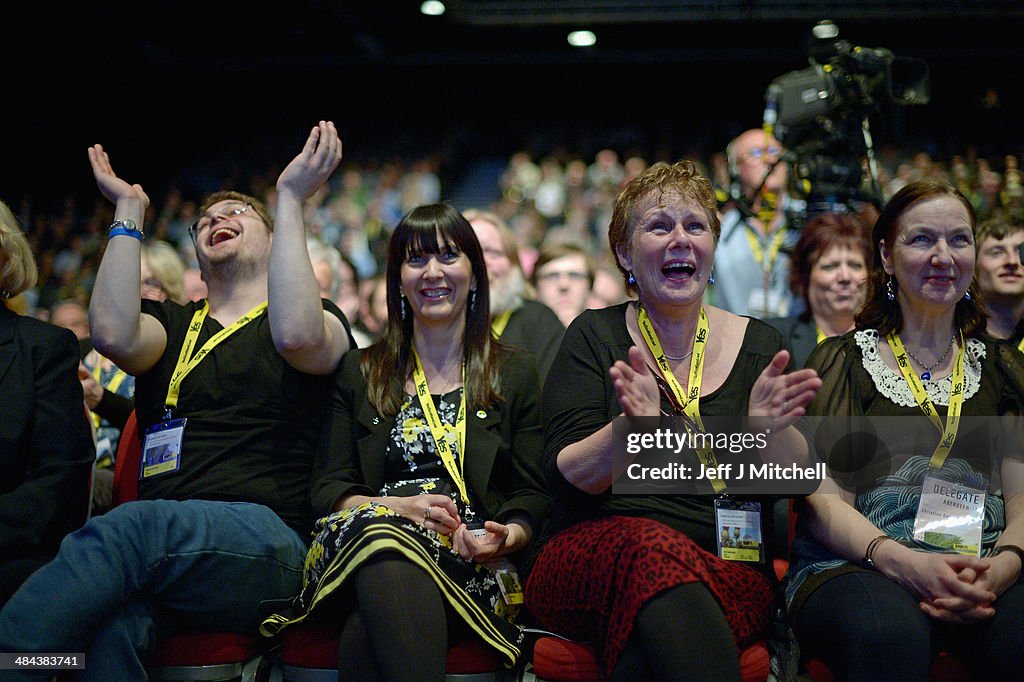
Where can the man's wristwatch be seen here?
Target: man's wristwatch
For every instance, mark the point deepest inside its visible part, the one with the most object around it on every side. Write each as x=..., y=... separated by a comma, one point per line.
x=127, y=228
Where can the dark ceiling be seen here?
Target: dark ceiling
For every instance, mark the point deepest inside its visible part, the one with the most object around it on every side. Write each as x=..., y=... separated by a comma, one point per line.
x=166, y=84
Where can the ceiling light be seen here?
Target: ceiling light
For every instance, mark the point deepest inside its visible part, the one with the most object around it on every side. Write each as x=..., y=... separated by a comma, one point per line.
x=432, y=8
x=582, y=38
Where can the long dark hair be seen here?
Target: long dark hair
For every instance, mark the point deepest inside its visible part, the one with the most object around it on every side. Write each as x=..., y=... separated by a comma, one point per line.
x=884, y=315
x=387, y=364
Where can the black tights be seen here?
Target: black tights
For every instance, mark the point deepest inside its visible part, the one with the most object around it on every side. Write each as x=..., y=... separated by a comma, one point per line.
x=864, y=626
x=399, y=631
x=681, y=634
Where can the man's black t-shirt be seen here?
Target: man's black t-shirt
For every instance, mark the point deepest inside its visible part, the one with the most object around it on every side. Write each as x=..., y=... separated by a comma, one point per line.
x=253, y=420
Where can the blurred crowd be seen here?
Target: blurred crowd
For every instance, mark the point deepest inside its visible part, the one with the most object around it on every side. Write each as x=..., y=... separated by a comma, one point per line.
x=545, y=198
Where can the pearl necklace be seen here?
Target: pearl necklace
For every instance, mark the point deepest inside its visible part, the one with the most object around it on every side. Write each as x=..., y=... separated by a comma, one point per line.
x=927, y=373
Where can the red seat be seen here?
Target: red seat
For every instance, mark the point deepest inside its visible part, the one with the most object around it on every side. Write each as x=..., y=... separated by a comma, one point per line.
x=194, y=655
x=561, y=660
x=945, y=668
x=309, y=651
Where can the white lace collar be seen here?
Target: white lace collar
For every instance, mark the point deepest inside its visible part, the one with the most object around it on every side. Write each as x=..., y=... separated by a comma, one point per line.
x=893, y=386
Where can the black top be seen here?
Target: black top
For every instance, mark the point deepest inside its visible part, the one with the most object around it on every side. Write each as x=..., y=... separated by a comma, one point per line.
x=503, y=444
x=253, y=420
x=46, y=449
x=579, y=399
x=535, y=327
x=878, y=435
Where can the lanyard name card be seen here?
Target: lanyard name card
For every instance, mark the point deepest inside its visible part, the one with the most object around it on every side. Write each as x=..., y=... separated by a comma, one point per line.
x=690, y=403
x=186, y=363
x=956, y=397
x=443, y=433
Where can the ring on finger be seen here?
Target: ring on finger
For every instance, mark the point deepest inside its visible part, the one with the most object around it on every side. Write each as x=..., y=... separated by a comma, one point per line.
x=785, y=406
x=426, y=515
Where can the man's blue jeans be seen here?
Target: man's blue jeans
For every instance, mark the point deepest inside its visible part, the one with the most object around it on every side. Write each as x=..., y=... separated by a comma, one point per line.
x=146, y=568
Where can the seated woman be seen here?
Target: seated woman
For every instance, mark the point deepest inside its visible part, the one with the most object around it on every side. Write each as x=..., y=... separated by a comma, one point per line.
x=46, y=449
x=435, y=437
x=882, y=575
x=642, y=576
x=829, y=271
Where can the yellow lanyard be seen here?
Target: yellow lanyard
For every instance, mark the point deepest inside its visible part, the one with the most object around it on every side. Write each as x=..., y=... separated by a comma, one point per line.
x=499, y=323
x=443, y=433
x=821, y=334
x=1020, y=346
x=774, y=245
x=186, y=365
x=689, y=404
x=112, y=385
x=956, y=397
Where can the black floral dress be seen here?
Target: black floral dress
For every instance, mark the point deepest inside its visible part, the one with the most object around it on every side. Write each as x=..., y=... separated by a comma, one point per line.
x=346, y=539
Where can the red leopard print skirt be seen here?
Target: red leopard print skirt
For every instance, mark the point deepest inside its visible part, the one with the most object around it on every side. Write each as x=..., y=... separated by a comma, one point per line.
x=592, y=579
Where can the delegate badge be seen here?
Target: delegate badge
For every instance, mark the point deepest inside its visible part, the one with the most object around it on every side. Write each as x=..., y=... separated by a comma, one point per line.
x=161, y=451
x=951, y=514
x=740, y=536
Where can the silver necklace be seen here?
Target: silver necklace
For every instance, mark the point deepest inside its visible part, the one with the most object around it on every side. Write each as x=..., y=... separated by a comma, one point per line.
x=677, y=359
x=927, y=373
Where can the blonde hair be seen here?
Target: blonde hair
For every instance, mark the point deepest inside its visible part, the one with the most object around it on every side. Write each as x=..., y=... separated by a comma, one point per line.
x=167, y=266
x=17, y=265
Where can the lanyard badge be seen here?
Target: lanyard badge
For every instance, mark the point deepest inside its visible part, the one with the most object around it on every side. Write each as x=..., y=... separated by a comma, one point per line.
x=740, y=531
x=161, y=450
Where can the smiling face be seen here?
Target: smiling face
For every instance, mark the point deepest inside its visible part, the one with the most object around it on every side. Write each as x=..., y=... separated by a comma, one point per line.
x=231, y=236
x=436, y=286
x=1000, y=274
x=836, y=287
x=932, y=254
x=670, y=249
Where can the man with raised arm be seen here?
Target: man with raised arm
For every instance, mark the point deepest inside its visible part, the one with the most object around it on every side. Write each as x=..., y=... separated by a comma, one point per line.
x=229, y=393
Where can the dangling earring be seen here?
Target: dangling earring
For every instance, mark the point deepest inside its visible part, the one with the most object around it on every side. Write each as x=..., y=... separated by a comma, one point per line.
x=967, y=295
x=889, y=294
x=711, y=277
x=401, y=305
x=630, y=280
x=472, y=299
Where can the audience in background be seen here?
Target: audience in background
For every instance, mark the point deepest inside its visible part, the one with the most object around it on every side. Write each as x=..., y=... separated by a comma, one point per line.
x=194, y=286
x=829, y=274
x=564, y=277
x=1001, y=276
x=752, y=258
x=607, y=290
x=516, y=318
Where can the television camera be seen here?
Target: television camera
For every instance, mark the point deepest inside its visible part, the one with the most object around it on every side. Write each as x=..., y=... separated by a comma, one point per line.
x=822, y=116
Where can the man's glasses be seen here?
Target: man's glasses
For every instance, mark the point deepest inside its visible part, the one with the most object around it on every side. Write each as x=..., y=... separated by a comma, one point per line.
x=229, y=211
x=761, y=152
x=555, y=276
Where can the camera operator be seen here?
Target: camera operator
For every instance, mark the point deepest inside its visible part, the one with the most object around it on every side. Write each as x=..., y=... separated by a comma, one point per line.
x=752, y=260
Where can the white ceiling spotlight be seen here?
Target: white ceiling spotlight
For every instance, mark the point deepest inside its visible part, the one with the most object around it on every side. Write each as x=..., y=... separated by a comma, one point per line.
x=582, y=38
x=432, y=8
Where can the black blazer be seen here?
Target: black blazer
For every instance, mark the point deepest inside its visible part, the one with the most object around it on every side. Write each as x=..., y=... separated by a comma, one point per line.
x=46, y=447
x=801, y=336
x=503, y=451
x=536, y=328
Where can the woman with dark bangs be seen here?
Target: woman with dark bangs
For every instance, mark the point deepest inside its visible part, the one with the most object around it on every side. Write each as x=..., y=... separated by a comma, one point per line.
x=435, y=437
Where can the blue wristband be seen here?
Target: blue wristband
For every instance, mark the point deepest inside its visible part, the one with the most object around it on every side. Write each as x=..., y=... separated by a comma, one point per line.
x=116, y=231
